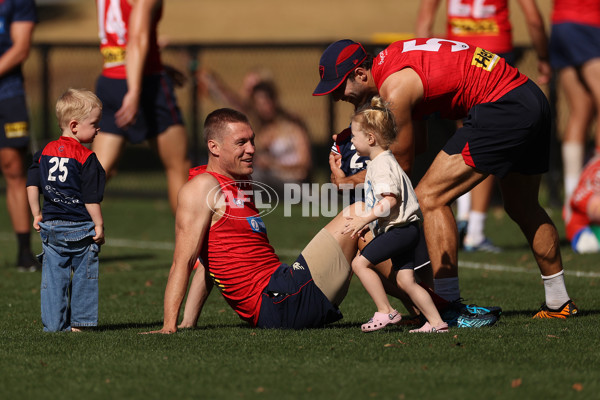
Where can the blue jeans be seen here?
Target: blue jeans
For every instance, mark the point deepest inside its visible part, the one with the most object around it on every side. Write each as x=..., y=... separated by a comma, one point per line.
x=69, y=272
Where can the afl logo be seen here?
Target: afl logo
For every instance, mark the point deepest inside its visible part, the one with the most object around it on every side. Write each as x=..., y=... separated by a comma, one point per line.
x=235, y=195
x=321, y=71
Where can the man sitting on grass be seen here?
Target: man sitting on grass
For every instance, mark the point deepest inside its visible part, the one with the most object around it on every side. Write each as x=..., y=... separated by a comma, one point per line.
x=231, y=239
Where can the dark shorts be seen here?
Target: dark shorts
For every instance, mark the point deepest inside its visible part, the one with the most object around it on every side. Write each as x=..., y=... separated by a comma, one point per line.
x=511, y=134
x=158, y=107
x=404, y=245
x=291, y=300
x=572, y=45
x=14, y=123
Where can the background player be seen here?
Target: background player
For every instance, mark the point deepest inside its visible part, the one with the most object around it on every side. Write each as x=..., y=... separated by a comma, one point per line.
x=575, y=54
x=137, y=93
x=17, y=21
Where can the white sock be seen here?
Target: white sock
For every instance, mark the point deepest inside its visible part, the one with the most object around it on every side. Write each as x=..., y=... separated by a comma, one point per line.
x=572, y=157
x=475, y=227
x=556, y=291
x=463, y=206
x=447, y=288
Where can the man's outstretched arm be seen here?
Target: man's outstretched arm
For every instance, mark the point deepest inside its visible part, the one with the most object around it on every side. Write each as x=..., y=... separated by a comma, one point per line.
x=192, y=221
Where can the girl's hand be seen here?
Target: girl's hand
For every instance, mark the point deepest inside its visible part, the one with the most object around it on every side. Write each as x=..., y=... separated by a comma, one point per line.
x=355, y=225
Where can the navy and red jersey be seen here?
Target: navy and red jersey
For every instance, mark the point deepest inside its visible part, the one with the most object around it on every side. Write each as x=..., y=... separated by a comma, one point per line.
x=69, y=176
x=456, y=76
x=237, y=251
x=585, y=12
x=113, y=25
x=11, y=11
x=351, y=161
x=485, y=23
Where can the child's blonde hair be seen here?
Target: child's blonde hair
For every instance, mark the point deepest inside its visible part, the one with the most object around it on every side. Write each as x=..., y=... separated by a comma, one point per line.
x=377, y=118
x=75, y=104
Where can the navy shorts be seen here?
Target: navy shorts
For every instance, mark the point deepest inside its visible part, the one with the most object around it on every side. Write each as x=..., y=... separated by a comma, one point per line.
x=14, y=123
x=511, y=134
x=404, y=245
x=158, y=107
x=572, y=45
x=291, y=300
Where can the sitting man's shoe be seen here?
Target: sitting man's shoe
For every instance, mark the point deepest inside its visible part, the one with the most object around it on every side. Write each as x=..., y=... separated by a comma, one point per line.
x=569, y=309
x=477, y=310
x=476, y=321
x=457, y=308
x=485, y=245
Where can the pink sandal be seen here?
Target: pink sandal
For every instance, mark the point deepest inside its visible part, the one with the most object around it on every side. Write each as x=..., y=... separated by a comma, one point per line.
x=381, y=320
x=427, y=328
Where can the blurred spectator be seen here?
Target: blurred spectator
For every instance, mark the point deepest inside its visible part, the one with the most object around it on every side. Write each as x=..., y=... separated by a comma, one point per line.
x=283, y=148
x=17, y=21
x=575, y=54
x=211, y=85
x=582, y=214
x=488, y=26
x=283, y=153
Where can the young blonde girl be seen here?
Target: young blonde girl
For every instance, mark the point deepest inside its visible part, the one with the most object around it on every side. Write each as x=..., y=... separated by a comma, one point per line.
x=393, y=215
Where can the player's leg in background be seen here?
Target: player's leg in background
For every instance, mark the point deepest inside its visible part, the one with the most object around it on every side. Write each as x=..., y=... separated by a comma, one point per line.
x=108, y=149
x=581, y=111
x=591, y=75
x=12, y=166
x=172, y=148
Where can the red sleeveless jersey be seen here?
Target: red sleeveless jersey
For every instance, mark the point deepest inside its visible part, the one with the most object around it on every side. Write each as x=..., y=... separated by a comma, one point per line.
x=586, y=12
x=576, y=217
x=484, y=23
x=113, y=24
x=455, y=76
x=236, y=251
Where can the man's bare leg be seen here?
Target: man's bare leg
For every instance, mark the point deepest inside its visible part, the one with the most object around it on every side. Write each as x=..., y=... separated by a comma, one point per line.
x=447, y=178
x=172, y=148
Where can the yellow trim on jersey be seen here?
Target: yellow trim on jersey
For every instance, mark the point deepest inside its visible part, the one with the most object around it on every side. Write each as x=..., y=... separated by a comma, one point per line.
x=460, y=26
x=15, y=130
x=113, y=56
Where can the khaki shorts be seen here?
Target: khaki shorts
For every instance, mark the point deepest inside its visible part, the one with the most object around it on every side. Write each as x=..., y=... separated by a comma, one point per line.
x=328, y=266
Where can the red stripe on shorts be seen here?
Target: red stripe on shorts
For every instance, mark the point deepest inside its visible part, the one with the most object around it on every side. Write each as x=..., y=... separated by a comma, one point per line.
x=466, y=154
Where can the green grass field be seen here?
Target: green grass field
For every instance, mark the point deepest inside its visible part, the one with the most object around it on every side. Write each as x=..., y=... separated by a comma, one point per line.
x=225, y=359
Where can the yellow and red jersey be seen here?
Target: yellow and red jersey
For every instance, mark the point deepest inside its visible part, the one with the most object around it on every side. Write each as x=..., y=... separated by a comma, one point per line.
x=113, y=23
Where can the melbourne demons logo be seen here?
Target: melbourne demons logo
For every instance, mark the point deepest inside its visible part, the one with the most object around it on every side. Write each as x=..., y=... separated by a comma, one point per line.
x=322, y=71
x=258, y=197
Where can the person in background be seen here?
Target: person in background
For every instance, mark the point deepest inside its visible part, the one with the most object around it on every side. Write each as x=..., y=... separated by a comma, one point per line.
x=582, y=214
x=575, y=55
x=486, y=24
x=17, y=22
x=70, y=222
x=283, y=151
x=137, y=93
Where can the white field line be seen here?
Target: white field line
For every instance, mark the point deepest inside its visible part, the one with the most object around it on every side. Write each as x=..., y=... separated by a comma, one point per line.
x=169, y=246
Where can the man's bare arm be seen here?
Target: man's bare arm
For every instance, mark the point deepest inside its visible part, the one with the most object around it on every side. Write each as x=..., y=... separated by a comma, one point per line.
x=402, y=90
x=192, y=222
